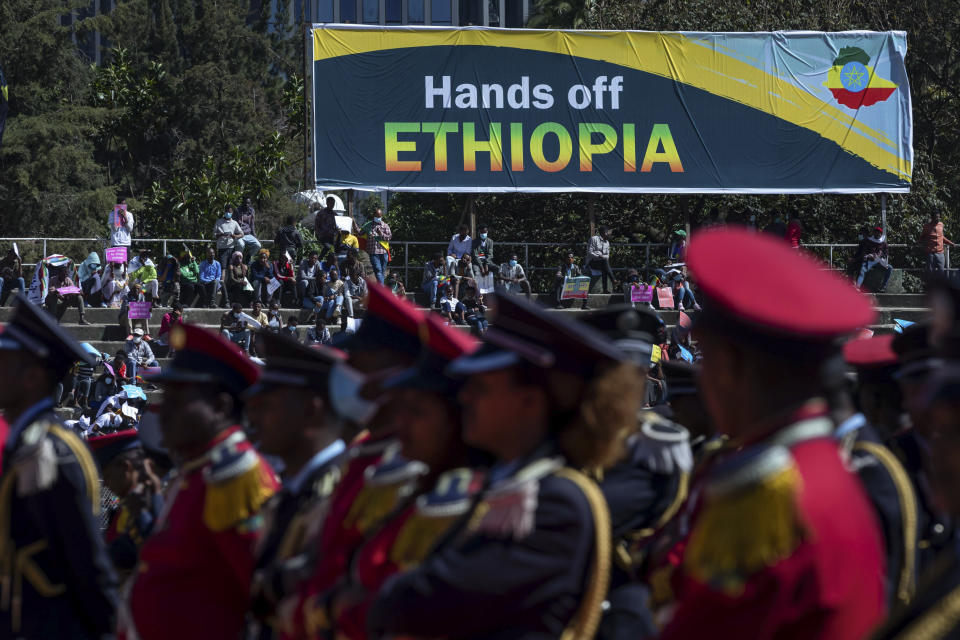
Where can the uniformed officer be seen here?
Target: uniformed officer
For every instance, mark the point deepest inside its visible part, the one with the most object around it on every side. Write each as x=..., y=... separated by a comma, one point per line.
x=290, y=409
x=127, y=473
x=918, y=360
x=935, y=611
x=688, y=409
x=387, y=341
x=784, y=542
x=546, y=397
x=195, y=570
x=56, y=577
x=646, y=486
x=430, y=494
x=888, y=486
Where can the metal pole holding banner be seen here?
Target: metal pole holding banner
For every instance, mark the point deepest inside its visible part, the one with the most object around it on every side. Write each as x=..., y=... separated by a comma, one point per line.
x=308, y=181
x=883, y=214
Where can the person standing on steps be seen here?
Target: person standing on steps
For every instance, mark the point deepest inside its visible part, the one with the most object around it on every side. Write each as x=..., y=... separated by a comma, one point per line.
x=598, y=256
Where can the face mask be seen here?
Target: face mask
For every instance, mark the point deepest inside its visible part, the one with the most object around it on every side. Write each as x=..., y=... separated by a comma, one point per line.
x=378, y=220
x=228, y=215
x=236, y=314
x=345, y=383
x=138, y=340
x=483, y=236
x=513, y=263
x=108, y=380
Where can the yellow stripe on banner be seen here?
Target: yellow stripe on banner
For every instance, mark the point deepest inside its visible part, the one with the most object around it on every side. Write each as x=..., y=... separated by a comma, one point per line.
x=669, y=55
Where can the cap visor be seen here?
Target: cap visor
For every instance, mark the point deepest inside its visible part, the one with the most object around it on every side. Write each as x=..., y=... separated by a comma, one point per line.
x=174, y=375
x=9, y=344
x=482, y=363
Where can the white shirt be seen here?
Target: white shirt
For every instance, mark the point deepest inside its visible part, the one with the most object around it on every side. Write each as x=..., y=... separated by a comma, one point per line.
x=120, y=235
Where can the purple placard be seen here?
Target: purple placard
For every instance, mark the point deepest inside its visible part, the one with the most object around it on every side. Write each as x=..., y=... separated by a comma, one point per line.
x=116, y=254
x=66, y=291
x=643, y=293
x=139, y=310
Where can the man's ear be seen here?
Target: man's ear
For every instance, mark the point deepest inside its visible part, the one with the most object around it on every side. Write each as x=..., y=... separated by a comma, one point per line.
x=224, y=404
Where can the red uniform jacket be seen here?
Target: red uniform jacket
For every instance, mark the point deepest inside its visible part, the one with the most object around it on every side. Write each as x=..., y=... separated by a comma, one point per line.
x=195, y=570
x=830, y=587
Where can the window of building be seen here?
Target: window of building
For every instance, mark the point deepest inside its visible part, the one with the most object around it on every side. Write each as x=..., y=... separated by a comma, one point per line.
x=371, y=11
x=513, y=14
x=394, y=11
x=440, y=12
x=324, y=11
x=493, y=13
x=471, y=12
x=415, y=11
x=348, y=11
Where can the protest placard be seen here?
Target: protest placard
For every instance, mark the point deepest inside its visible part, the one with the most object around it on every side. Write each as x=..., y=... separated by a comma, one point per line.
x=272, y=286
x=117, y=209
x=66, y=291
x=665, y=297
x=641, y=293
x=116, y=254
x=344, y=223
x=575, y=288
x=139, y=310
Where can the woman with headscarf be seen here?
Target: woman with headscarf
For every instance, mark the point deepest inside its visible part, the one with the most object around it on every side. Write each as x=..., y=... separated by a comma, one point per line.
x=88, y=275
x=236, y=278
x=114, y=284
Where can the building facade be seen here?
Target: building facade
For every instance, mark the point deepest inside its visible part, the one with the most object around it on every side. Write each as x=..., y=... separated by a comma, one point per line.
x=491, y=13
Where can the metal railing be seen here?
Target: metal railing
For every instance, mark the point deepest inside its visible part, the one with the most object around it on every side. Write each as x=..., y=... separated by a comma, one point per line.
x=414, y=253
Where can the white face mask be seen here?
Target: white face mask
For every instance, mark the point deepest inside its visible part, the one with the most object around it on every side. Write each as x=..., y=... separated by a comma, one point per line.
x=345, y=383
x=138, y=340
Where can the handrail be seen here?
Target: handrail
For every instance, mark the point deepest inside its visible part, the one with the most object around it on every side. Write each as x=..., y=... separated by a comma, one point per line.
x=648, y=248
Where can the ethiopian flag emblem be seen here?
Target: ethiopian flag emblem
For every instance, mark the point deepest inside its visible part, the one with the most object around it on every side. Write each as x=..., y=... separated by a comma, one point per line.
x=853, y=83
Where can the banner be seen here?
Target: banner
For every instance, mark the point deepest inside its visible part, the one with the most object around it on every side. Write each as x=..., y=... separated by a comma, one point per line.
x=497, y=110
x=117, y=255
x=575, y=288
x=641, y=293
x=139, y=310
x=665, y=298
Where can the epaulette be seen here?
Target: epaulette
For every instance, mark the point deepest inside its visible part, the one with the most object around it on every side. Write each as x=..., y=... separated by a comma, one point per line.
x=434, y=514
x=750, y=519
x=660, y=445
x=508, y=508
x=35, y=460
x=237, y=484
x=385, y=485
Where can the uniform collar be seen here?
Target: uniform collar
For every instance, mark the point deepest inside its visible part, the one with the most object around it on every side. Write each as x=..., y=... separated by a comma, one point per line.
x=803, y=421
x=25, y=419
x=199, y=457
x=322, y=457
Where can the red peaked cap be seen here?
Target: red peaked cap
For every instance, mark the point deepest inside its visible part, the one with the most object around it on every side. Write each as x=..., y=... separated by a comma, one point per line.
x=447, y=342
x=203, y=357
x=389, y=323
x=871, y=353
x=107, y=447
x=757, y=283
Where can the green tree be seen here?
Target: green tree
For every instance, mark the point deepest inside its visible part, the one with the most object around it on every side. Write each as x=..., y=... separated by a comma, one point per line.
x=50, y=181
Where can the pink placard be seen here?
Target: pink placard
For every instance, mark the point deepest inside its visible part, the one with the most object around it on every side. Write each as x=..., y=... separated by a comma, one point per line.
x=116, y=254
x=66, y=291
x=139, y=310
x=665, y=297
x=643, y=293
x=116, y=218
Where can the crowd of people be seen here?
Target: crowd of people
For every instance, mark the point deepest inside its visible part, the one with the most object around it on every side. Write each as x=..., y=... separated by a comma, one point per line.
x=782, y=476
